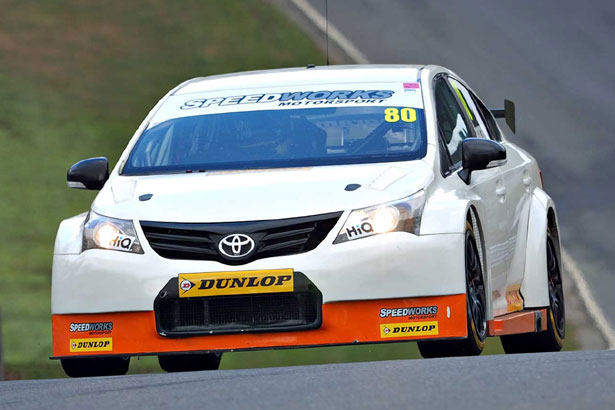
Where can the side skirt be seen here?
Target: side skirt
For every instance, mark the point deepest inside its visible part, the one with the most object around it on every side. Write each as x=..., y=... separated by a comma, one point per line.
x=526, y=321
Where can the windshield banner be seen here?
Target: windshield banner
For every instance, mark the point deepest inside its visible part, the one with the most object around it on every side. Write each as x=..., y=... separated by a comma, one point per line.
x=345, y=95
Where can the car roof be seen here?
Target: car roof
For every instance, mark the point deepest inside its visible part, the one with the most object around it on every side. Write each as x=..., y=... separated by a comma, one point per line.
x=337, y=74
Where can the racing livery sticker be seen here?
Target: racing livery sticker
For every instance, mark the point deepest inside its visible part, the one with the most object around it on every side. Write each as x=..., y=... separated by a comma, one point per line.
x=122, y=242
x=185, y=285
x=385, y=94
x=411, y=86
x=395, y=114
x=363, y=228
x=292, y=98
x=514, y=301
x=103, y=344
x=419, y=312
x=392, y=330
x=92, y=328
x=235, y=283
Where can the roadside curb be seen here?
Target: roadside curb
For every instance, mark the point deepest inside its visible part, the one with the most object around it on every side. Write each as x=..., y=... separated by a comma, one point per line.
x=585, y=301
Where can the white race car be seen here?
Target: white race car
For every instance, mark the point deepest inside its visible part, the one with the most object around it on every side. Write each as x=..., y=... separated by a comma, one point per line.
x=308, y=207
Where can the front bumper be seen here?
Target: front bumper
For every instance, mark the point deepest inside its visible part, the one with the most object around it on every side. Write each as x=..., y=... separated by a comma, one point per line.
x=357, y=279
x=370, y=321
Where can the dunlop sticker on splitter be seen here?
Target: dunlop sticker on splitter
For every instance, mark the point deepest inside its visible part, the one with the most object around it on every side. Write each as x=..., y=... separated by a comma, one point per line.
x=235, y=283
x=408, y=329
x=103, y=344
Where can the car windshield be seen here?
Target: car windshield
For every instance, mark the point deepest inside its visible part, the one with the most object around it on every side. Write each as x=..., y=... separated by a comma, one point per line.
x=280, y=138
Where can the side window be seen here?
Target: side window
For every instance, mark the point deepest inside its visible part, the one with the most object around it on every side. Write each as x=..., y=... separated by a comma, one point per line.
x=494, y=131
x=451, y=121
x=470, y=108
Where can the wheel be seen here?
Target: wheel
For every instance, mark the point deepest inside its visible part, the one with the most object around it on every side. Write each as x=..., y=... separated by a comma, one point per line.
x=476, y=310
x=103, y=366
x=190, y=362
x=552, y=339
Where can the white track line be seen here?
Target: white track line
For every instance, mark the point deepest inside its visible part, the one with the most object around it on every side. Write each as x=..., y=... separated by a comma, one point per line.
x=592, y=307
x=335, y=35
x=353, y=52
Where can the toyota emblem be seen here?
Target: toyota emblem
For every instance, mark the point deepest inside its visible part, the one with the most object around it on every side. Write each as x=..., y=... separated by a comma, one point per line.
x=236, y=245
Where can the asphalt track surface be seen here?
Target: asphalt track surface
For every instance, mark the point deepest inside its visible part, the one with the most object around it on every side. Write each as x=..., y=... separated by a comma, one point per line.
x=554, y=59
x=566, y=380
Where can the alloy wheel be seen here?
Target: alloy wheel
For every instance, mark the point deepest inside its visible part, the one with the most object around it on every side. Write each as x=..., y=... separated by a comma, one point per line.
x=556, y=292
x=475, y=287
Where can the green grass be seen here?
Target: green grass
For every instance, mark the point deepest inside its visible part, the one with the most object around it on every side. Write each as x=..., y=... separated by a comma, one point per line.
x=76, y=79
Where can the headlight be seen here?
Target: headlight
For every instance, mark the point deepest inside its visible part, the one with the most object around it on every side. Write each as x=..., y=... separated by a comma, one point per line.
x=402, y=215
x=101, y=232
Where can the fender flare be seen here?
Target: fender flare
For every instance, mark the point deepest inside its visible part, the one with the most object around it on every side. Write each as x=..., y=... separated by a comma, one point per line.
x=443, y=214
x=534, y=285
x=69, y=237
x=449, y=215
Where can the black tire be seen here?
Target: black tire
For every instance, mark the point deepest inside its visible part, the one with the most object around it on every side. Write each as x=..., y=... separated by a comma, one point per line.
x=190, y=362
x=90, y=367
x=552, y=339
x=476, y=317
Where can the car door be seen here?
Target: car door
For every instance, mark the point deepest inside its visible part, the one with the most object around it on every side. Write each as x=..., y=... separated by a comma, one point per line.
x=456, y=121
x=519, y=185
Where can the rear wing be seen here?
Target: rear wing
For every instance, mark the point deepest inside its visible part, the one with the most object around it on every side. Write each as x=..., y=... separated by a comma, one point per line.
x=507, y=113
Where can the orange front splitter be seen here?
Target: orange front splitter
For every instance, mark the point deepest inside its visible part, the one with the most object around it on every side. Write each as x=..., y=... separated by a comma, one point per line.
x=134, y=333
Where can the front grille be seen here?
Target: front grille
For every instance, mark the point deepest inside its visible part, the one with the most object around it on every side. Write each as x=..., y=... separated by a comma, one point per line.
x=272, y=238
x=232, y=314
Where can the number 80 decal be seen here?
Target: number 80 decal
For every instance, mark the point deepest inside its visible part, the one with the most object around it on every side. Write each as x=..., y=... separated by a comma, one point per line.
x=396, y=115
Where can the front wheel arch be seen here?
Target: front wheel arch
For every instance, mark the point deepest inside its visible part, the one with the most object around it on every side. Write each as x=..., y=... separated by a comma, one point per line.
x=542, y=218
x=551, y=340
x=476, y=320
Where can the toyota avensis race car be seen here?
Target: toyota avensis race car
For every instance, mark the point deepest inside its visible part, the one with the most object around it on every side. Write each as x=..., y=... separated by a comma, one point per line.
x=309, y=207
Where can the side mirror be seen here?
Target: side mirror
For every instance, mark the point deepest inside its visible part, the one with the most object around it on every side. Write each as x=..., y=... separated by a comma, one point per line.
x=90, y=173
x=479, y=153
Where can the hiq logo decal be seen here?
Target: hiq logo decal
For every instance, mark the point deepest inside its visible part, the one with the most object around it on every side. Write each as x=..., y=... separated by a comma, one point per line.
x=360, y=229
x=122, y=242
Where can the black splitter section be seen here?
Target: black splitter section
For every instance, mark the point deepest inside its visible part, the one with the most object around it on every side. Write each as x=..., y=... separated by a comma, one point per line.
x=250, y=313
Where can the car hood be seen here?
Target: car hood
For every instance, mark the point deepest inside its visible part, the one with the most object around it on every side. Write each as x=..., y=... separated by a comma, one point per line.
x=259, y=194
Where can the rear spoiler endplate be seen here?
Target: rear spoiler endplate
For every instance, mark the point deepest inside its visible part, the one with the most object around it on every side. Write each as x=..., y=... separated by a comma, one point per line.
x=508, y=113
